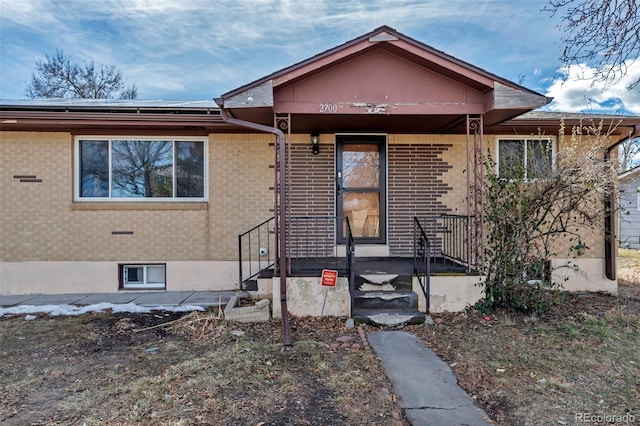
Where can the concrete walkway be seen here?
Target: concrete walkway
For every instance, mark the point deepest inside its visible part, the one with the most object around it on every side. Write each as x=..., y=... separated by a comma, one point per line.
x=147, y=298
x=426, y=387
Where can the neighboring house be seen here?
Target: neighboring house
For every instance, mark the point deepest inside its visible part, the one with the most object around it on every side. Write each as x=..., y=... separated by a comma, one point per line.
x=629, y=211
x=357, y=149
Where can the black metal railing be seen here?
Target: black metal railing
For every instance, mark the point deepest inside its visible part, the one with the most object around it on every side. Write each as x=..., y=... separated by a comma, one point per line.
x=311, y=244
x=350, y=259
x=448, y=234
x=422, y=259
x=256, y=251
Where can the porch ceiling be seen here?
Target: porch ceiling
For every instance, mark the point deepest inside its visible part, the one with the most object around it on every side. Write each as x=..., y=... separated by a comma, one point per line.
x=428, y=124
x=306, y=123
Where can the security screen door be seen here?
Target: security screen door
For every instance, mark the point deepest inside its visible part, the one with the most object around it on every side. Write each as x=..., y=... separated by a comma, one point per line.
x=361, y=185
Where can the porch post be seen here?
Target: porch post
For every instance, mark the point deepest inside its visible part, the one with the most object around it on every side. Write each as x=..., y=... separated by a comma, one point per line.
x=286, y=331
x=475, y=191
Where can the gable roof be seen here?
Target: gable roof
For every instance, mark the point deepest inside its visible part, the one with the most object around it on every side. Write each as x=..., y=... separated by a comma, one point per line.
x=479, y=91
x=394, y=41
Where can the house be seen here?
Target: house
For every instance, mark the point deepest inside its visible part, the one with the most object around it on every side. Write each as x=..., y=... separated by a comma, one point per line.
x=358, y=160
x=629, y=209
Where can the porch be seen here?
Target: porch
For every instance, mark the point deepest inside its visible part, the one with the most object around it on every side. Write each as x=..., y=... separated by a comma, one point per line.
x=383, y=290
x=313, y=266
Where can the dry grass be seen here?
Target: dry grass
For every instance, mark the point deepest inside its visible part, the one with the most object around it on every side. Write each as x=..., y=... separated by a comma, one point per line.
x=581, y=357
x=123, y=369
x=629, y=271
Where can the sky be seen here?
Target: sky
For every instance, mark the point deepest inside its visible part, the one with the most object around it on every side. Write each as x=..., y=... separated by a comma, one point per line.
x=199, y=49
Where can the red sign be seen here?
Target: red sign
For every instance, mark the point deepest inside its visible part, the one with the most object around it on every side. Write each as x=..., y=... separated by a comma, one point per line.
x=329, y=277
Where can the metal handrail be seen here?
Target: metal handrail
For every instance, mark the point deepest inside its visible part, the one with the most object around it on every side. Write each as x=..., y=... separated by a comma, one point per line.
x=263, y=264
x=315, y=237
x=421, y=259
x=311, y=238
x=449, y=235
x=351, y=255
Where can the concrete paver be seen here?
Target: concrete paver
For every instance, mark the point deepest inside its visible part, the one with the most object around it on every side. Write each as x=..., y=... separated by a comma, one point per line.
x=211, y=298
x=427, y=388
x=48, y=299
x=14, y=300
x=150, y=298
x=115, y=298
x=162, y=298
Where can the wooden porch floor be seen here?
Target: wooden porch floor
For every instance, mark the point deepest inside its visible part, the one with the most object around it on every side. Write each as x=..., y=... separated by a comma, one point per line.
x=367, y=265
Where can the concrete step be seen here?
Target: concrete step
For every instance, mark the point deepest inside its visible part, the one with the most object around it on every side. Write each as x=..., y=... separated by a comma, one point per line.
x=388, y=319
x=250, y=285
x=385, y=300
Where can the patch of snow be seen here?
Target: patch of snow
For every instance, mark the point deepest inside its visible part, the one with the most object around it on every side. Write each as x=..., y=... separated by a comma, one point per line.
x=391, y=320
x=30, y=317
x=71, y=310
x=382, y=295
x=379, y=278
x=376, y=287
x=178, y=308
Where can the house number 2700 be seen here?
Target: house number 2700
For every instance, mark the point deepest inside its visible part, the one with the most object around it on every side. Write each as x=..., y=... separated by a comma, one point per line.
x=328, y=108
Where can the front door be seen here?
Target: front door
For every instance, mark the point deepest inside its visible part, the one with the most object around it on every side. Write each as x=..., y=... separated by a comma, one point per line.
x=361, y=186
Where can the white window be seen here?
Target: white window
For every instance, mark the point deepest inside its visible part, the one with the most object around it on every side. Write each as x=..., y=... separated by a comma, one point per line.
x=138, y=169
x=142, y=276
x=525, y=158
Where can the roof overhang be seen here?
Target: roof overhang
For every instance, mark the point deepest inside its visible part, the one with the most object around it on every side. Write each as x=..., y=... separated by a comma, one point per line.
x=113, y=116
x=629, y=175
x=549, y=122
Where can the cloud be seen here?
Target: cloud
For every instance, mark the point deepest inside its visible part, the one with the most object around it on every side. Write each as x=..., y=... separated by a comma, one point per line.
x=576, y=91
x=198, y=49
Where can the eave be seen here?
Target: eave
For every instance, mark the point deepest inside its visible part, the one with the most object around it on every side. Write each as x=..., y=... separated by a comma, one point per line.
x=114, y=122
x=546, y=122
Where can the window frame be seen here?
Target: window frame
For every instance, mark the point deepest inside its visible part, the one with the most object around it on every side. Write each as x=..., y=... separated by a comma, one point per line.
x=124, y=285
x=527, y=139
x=110, y=138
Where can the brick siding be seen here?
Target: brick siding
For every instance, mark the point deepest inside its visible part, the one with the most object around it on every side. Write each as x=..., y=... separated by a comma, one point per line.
x=312, y=191
x=41, y=222
x=415, y=188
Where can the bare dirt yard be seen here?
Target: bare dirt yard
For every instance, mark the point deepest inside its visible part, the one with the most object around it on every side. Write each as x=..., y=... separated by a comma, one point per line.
x=107, y=368
x=581, y=358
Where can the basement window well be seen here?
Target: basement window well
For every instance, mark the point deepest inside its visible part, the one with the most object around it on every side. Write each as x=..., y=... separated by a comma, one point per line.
x=138, y=277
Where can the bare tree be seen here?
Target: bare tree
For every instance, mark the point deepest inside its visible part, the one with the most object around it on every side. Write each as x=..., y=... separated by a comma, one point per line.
x=603, y=32
x=629, y=154
x=58, y=77
x=533, y=219
x=142, y=168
